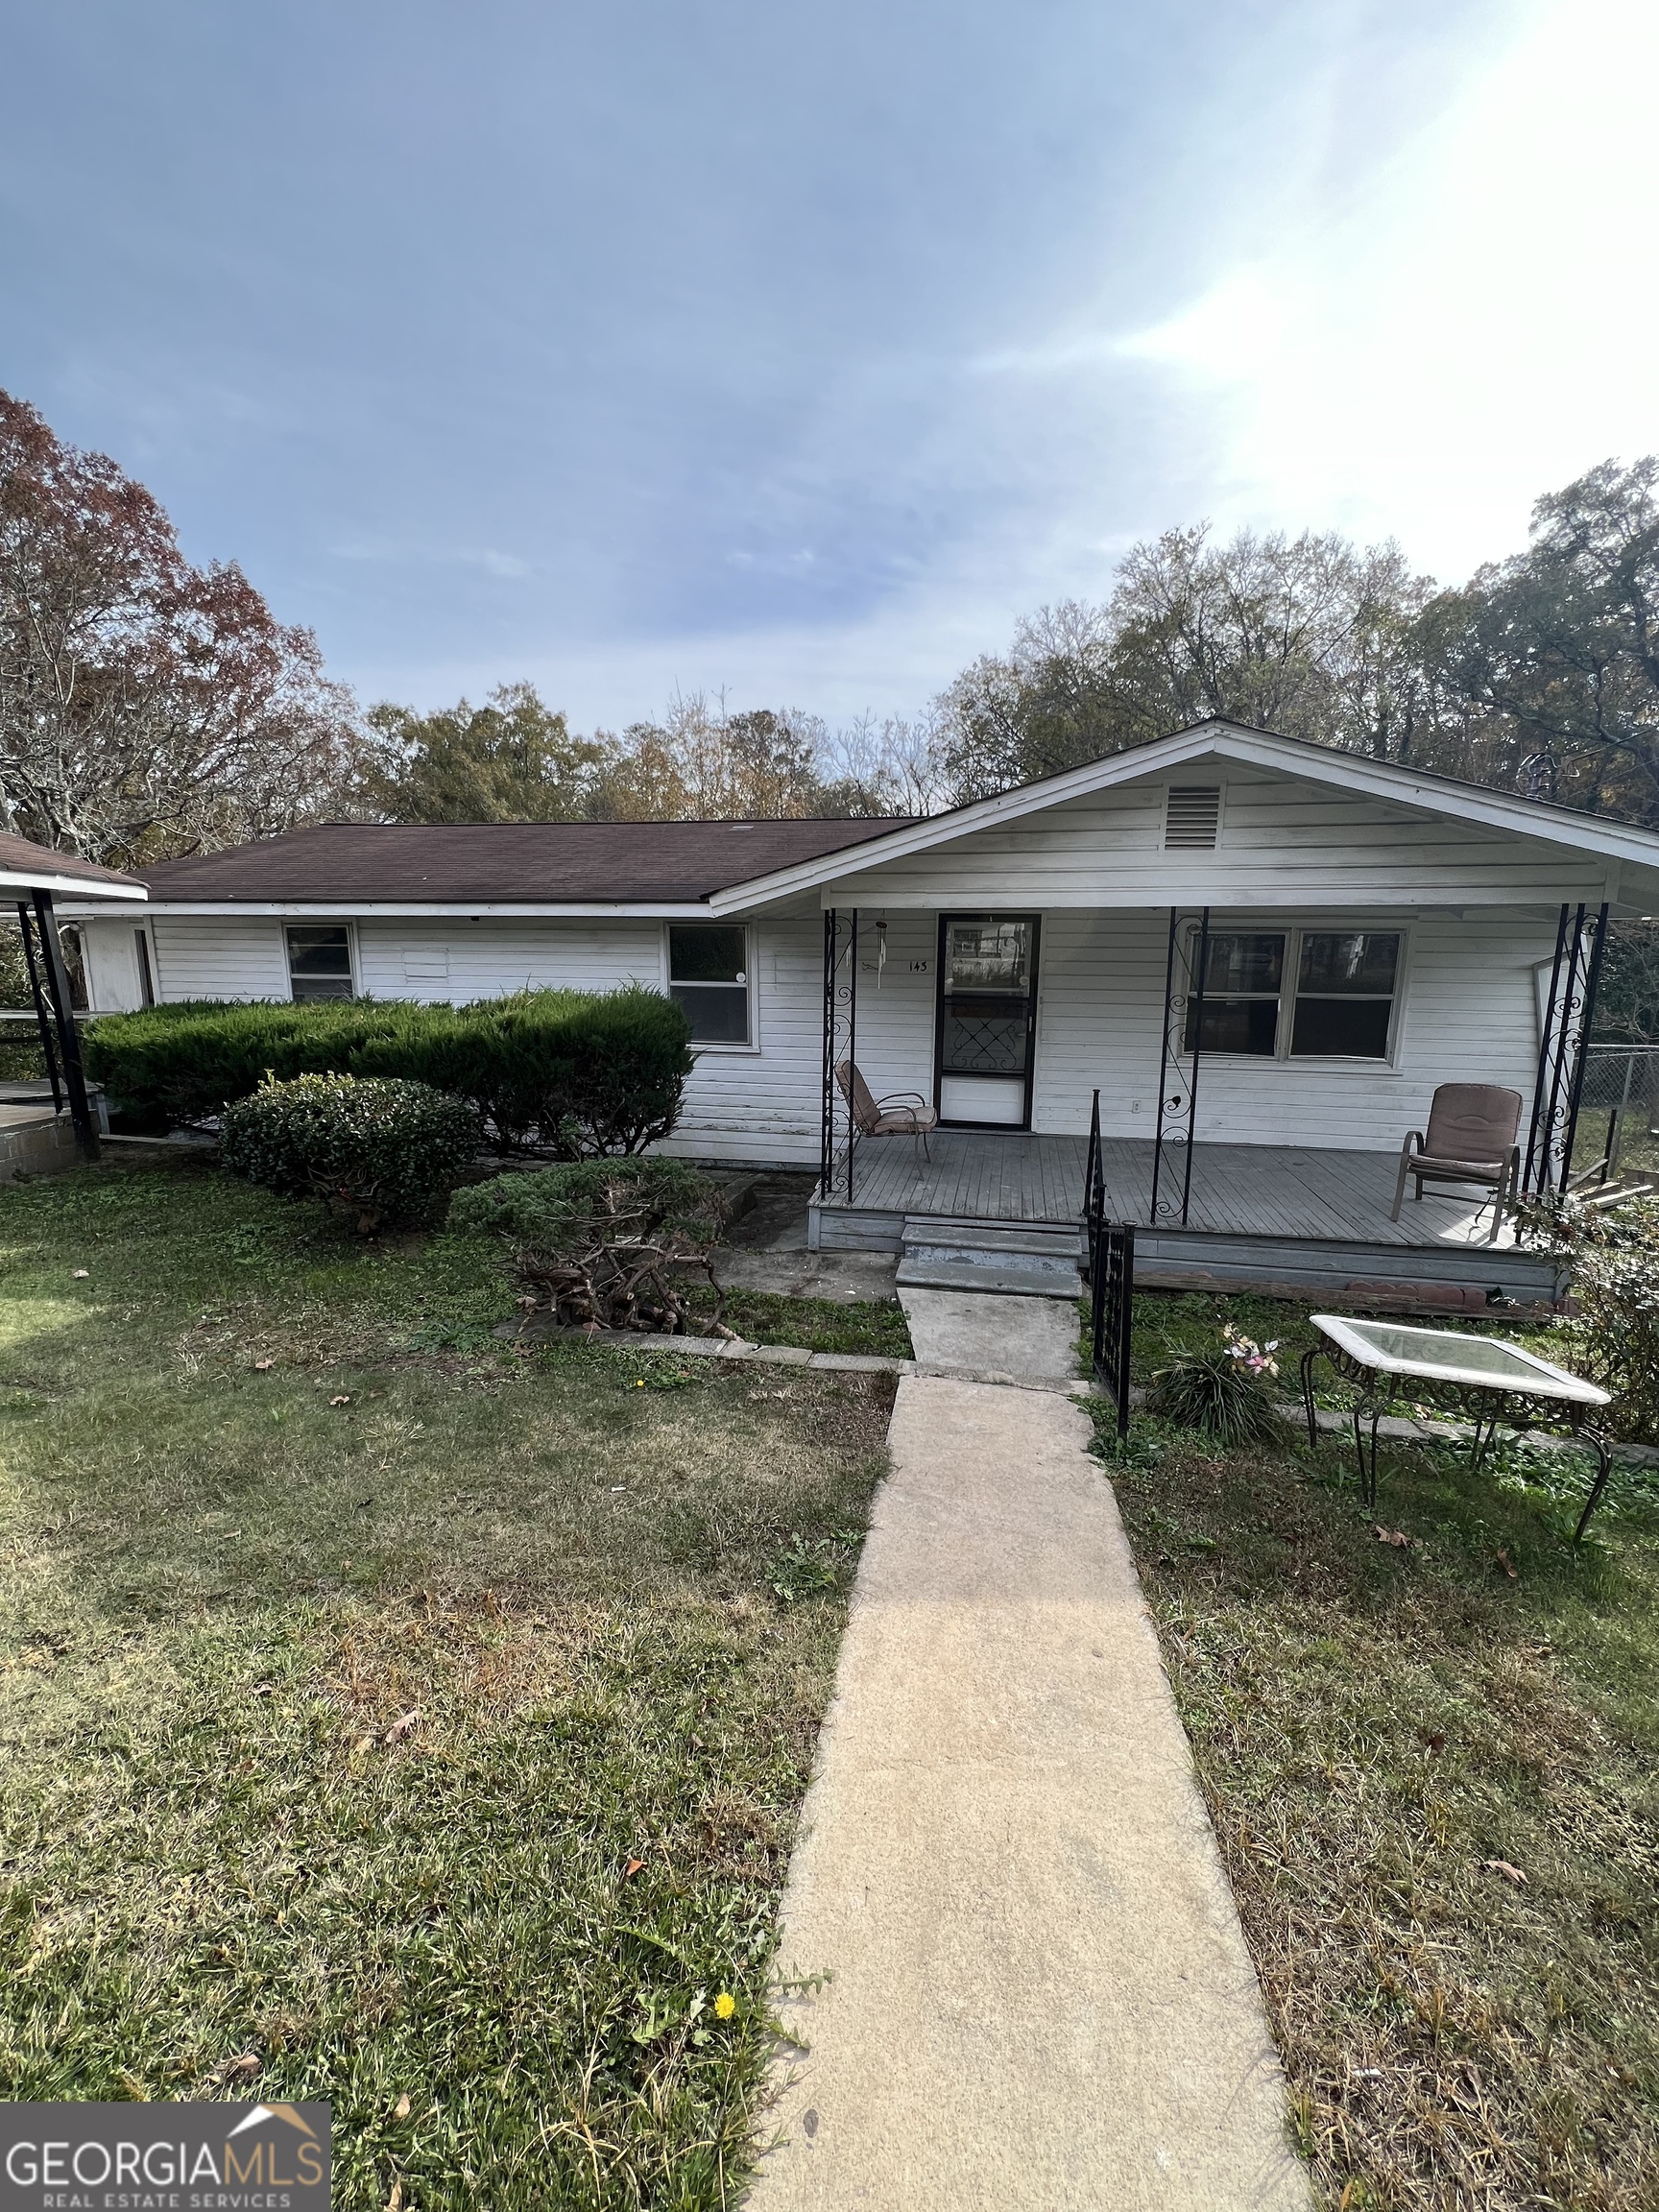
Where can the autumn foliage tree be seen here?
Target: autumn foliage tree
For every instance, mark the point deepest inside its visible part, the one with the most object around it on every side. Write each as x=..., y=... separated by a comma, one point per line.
x=147, y=706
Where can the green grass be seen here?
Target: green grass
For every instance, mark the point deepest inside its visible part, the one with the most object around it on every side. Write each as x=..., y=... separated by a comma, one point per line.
x=412, y=1717
x=1389, y=1734
x=818, y=1324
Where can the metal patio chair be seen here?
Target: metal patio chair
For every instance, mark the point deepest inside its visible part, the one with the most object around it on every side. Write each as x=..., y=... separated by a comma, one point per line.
x=1470, y=1138
x=902, y=1113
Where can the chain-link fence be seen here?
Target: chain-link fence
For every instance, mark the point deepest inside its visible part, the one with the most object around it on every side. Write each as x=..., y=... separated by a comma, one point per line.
x=1619, y=1111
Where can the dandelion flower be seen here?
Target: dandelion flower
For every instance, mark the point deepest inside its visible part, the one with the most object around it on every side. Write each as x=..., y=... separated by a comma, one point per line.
x=725, y=2004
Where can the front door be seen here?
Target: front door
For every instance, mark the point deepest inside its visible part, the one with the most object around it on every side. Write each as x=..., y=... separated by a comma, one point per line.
x=986, y=1029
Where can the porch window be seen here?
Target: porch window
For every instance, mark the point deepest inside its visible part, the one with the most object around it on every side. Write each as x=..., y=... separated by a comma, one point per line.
x=320, y=964
x=1345, y=983
x=708, y=977
x=1343, y=1000
x=1243, y=977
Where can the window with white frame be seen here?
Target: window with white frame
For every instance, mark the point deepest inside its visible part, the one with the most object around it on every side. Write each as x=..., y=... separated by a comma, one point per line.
x=708, y=977
x=1298, y=994
x=320, y=963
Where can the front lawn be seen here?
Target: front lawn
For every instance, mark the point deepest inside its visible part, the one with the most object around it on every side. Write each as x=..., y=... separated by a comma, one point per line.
x=1429, y=1741
x=393, y=1717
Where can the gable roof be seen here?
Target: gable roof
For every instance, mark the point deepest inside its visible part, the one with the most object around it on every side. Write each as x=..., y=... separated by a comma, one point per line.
x=25, y=866
x=491, y=863
x=1447, y=795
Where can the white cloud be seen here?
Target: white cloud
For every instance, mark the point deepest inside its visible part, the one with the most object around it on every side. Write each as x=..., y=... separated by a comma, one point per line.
x=1477, y=326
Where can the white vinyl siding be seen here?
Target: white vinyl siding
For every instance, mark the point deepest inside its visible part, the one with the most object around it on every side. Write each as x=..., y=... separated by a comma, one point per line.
x=1467, y=1015
x=756, y=1106
x=1286, y=843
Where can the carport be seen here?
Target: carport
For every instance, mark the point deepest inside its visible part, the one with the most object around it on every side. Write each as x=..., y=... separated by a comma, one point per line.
x=30, y=875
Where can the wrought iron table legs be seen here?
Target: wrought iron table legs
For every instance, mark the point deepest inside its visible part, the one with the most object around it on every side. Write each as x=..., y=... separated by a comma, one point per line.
x=1603, y=1468
x=1487, y=1410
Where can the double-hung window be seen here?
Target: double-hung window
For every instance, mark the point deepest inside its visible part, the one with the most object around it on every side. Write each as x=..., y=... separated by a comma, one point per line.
x=708, y=977
x=320, y=963
x=1297, y=994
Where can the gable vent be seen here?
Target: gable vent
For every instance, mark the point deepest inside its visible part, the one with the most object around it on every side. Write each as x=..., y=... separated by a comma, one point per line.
x=1191, y=816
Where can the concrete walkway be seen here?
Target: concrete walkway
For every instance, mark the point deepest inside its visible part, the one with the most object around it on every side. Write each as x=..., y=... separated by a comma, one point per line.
x=1041, y=1997
x=1034, y=1339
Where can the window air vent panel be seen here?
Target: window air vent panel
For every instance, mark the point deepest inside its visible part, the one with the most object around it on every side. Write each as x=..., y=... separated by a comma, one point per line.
x=1192, y=817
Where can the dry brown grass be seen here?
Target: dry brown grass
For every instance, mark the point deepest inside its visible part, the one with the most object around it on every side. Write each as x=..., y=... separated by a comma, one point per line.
x=1434, y=1790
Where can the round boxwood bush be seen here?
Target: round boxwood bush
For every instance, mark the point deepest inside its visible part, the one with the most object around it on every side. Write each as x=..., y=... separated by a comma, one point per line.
x=377, y=1147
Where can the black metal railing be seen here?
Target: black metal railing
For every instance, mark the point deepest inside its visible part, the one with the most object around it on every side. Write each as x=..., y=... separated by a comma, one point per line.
x=1111, y=1247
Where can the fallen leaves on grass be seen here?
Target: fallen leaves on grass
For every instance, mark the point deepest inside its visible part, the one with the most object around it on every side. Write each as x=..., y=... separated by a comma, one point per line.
x=1394, y=1536
x=345, y=1399
x=631, y=1868
x=401, y=2110
x=1509, y=1565
x=263, y=1366
x=1509, y=1873
x=401, y=1727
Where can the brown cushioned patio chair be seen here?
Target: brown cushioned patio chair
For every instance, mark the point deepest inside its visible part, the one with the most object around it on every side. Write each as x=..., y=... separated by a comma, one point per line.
x=1470, y=1138
x=902, y=1114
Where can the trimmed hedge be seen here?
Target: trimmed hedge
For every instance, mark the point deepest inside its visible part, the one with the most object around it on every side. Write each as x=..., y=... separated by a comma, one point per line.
x=575, y=1074
x=380, y=1150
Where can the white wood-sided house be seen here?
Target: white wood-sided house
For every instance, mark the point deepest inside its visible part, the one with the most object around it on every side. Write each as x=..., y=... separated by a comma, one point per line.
x=1261, y=954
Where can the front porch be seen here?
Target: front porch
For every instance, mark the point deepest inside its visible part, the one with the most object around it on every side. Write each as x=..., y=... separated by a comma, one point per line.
x=1302, y=1220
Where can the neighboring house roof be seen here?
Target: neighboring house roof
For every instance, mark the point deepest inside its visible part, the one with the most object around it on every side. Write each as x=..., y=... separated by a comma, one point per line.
x=25, y=866
x=1447, y=795
x=491, y=863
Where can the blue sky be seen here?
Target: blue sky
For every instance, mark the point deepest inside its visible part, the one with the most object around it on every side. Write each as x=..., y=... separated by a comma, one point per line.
x=796, y=351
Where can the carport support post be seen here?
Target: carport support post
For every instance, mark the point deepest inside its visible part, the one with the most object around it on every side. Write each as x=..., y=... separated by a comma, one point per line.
x=64, y=1017
x=38, y=993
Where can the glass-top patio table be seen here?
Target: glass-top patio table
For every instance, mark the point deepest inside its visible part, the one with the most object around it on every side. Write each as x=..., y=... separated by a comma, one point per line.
x=1481, y=1376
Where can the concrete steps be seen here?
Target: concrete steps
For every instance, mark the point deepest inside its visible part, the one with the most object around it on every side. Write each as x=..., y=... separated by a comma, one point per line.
x=1015, y=1259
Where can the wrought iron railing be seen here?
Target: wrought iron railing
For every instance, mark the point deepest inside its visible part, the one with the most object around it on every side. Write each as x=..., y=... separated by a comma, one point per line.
x=1111, y=1246
x=1185, y=969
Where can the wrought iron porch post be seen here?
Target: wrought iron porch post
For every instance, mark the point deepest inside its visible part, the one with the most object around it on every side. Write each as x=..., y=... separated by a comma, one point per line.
x=1178, y=1085
x=826, y=1108
x=851, y=1047
x=840, y=1040
x=64, y=1014
x=1581, y=1041
x=1563, y=1051
x=1546, y=1041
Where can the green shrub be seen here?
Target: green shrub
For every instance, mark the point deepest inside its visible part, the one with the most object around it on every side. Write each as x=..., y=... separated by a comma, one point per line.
x=184, y=1064
x=1610, y=1331
x=601, y=1243
x=380, y=1150
x=571, y=1072
x=1219, y=1395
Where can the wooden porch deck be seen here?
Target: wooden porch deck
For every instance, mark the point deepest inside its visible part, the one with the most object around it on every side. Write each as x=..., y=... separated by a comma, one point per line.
x=1262, y=1217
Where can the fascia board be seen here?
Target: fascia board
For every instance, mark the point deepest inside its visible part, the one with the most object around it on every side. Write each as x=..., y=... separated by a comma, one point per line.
x=13, y=886
x=450, y=910
x=1431, y=794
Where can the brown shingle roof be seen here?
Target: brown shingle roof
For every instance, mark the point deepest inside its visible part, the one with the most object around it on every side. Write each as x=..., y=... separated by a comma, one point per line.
x=485, y=863
x=21, y=857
